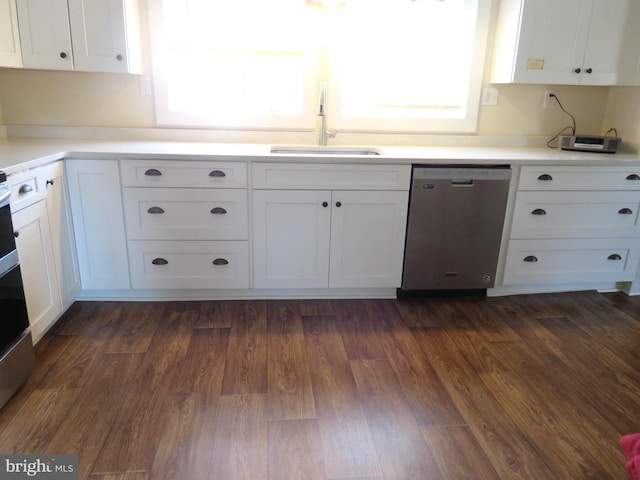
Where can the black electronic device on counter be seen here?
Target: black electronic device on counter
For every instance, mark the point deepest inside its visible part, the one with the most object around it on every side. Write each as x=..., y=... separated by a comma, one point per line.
x=590, y=143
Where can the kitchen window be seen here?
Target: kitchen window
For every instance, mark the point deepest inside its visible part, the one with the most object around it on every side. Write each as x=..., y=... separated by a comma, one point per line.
x=390, y=65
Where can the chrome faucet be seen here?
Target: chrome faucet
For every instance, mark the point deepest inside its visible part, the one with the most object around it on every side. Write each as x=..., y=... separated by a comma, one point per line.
x=322, y=113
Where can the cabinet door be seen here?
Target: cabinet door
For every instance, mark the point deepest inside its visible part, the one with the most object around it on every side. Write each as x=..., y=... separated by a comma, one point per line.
x=613, y=47
x=291, y=238
x=96, y=206
x=45, y=34
x=10, y=55
x=63, y=242
x=37, y=265
x=367, y=239
x=99, y=35
x=552, y=40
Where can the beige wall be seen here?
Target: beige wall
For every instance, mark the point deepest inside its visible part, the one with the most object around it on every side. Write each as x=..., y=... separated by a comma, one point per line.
x=34, y=97
x=38, y=97
x=623, y=112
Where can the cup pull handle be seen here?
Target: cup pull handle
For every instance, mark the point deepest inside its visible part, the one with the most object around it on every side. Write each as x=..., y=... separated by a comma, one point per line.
x=633, y=176
x=539, y=211
x=152, y=172
x=614, y=256
x=217, y=174
x=26, y=188
x=625, y=211
x=531, y=259
x=155, y=210
x=218, y=211
x=159, y=261
x=221, y=261
x=545, y=177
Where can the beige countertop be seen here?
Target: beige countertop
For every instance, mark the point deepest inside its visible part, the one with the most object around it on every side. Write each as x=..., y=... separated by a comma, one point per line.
x=18, y=154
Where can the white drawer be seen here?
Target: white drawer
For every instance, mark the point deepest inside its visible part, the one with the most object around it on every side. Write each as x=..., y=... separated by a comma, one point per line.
x=186, y=173
x=189, y=265
x=185, y=214
x=579, y=178
x=571, y=261
x=576, y=215
x=26, y=188
x=284, y=176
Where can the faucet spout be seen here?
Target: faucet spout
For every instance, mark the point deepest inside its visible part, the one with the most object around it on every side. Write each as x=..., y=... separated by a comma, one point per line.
x=322, y=113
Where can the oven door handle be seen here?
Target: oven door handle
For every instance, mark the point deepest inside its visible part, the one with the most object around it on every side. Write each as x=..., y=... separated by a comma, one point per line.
x=4, y=198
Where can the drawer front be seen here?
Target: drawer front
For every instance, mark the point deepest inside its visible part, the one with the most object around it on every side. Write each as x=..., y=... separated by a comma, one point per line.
x=185, y=214
x=576, y=215
x=26, y=188
x=579, y=178
x=330, y=177
x=571, y=261
x=189, y=265
x=188, y=174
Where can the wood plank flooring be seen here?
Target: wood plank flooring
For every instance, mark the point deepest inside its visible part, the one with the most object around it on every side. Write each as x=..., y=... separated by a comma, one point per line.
x=526, y=387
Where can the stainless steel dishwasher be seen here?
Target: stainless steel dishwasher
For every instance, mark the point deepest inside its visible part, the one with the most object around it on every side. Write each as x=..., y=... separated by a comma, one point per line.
x=456, y=215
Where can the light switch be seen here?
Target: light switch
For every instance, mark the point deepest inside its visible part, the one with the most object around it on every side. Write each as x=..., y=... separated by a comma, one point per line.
x=490, y=96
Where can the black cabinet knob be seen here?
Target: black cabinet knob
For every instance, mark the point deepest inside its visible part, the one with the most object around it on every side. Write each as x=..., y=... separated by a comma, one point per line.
x=578, y=70
x=16, y=234
x=63, y=55
x=49, y=183
x=589, y=70
x=325, y=204
x=119, y=58
x=338, y=204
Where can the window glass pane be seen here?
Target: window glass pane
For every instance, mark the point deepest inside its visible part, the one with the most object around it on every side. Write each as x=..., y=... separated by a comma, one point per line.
x=407, y=58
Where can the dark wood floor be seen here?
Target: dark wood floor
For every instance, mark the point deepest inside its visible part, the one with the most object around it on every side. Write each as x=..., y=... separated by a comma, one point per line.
x=525, y=387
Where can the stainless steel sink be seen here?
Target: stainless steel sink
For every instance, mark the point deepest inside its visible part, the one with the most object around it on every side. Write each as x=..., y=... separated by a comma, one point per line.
x=339, y=151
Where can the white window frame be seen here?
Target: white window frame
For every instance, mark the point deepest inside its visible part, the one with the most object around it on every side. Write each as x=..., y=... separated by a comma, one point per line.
x=316, y=72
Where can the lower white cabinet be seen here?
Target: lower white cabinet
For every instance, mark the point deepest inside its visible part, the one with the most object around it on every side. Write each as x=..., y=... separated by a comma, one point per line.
x=574, y=224
x=320, y=239
x=45, y=243
x=62, y=234
x=37, y=264
x=189, y=264
x=96, y=205
x=571, y=261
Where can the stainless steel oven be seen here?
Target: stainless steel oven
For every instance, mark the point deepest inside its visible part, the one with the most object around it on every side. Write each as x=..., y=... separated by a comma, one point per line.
x=17, y=357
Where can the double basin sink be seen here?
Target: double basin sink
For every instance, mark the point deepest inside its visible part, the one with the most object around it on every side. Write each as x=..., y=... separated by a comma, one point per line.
x=319, y=150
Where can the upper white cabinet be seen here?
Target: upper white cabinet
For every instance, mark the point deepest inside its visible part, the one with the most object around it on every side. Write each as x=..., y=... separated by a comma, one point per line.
x=567, y=42
x=87, y=35
x=10, y=55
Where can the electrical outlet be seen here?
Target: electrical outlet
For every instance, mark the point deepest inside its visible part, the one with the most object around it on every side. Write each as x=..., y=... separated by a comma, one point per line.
x=549, y=101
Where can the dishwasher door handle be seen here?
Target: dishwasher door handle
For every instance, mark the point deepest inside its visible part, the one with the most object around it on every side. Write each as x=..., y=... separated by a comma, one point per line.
x=462, y=183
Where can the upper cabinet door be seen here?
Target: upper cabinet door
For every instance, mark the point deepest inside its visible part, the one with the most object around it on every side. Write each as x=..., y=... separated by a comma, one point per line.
x=45, y=34
x=613, y=50
x=572, y=42
x=10, y=55
x=100, y=30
